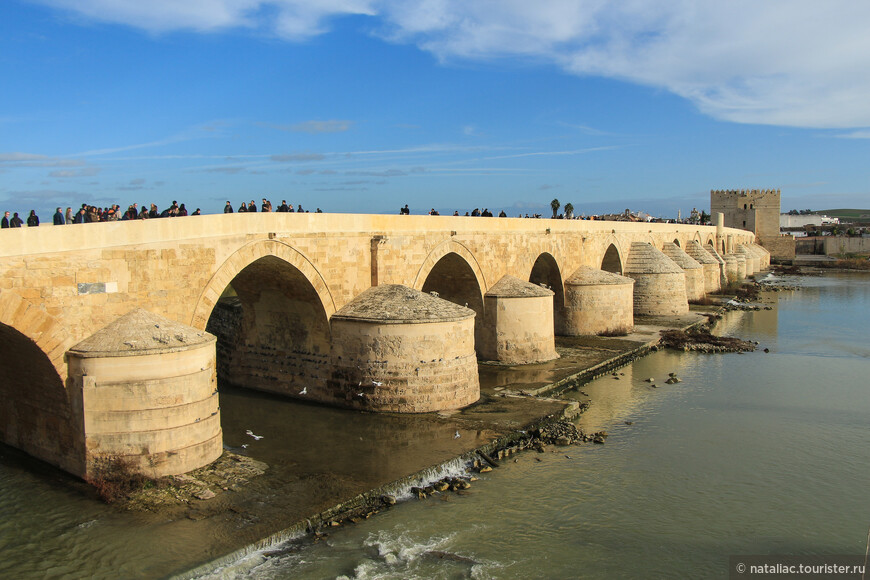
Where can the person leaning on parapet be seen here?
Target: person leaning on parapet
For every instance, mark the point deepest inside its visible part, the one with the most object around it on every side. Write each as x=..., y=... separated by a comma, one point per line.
x=32, y=219
x=404, y=210
x=15, y=222
x=252, y=207
x=69, y=216
x=283, y=208
x=243, y=208
x=4, y=223
x=228, y=208
x=265, y=206
x=79, y=217
x=58, y=218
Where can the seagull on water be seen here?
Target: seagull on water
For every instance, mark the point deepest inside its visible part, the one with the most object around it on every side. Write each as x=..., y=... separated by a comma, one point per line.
x=457, y=435
x=256, y=437
x=377, y=384
x=304, y=391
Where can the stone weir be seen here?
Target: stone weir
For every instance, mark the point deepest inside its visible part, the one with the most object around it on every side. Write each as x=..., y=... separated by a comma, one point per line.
x=712, y=271
x=695, y=284
x=382, y=352
x=519, y=323
x=598, y=302
x=660, y=285
x=145, y=389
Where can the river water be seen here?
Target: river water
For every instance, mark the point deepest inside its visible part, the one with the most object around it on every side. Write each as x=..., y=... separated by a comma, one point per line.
x=750, y=454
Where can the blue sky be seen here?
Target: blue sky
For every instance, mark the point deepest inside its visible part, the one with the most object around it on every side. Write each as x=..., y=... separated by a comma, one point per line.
x=365, y=105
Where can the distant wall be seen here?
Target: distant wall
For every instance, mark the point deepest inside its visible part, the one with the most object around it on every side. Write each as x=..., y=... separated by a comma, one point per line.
x=832, y=245
x=780, y=247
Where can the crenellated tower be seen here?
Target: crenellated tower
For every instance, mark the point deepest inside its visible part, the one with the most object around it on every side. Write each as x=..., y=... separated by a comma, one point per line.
x=756, y=210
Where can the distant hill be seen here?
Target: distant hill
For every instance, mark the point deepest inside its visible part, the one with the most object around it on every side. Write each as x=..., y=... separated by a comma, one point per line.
x=850, y=215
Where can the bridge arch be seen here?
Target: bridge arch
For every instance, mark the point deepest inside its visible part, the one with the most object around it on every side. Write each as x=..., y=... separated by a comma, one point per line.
x=272, y=324
x=244, y=257
x=612, y=260
x=452, y=271
x=36, y=414
x=546, y=272
x=444, y=248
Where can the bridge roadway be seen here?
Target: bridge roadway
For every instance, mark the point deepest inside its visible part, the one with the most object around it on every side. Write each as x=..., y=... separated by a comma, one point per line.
x=291, y=273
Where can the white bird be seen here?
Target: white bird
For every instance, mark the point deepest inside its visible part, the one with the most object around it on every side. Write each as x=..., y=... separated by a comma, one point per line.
x=360, y=395
x=304, y=391
x=456, y=435
x=256, y=437
x=244, y=445
x=377, y=384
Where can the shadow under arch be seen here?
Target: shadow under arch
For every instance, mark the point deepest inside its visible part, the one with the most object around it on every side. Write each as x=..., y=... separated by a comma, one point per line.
x=271, y=321
x=677, y=242
x=245, y=256
x=453, y=279
x=612, y=260
x=545, y=272
x=36, y=415
x=441, y=250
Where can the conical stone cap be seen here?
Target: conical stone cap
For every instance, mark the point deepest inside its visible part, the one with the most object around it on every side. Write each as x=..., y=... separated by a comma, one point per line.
x=755, y=251
x=716, y=256
x=589, y=276
x=682, y=259
x=397, y=304
x=140, y=332
x=512, y=287
x=697, y=252
x=760, y=248
x=643, y=258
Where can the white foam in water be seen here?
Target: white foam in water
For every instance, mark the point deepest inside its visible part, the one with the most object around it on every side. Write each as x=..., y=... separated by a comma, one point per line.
x=251, y=562
x=454, y=468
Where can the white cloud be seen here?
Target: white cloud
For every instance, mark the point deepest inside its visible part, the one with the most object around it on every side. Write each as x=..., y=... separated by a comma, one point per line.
x=18, y=159
x=796, y=63
x=291, y=19
x=70, y=173
x=780, y=62
x=332, y=126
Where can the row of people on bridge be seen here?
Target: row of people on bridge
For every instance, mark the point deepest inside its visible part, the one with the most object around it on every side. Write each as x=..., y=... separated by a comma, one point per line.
x=266, y=206
x=90, y=214
x=476, y=212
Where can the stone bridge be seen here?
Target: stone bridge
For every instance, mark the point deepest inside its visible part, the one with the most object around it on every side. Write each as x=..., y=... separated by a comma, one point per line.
x=283, y=277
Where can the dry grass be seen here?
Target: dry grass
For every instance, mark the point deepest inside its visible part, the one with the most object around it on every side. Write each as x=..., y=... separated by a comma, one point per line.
x=849, y=264
x=114, y=478
x=618, y=331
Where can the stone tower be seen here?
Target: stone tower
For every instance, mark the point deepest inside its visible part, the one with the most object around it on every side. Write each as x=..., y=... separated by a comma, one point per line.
x=756, y=210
